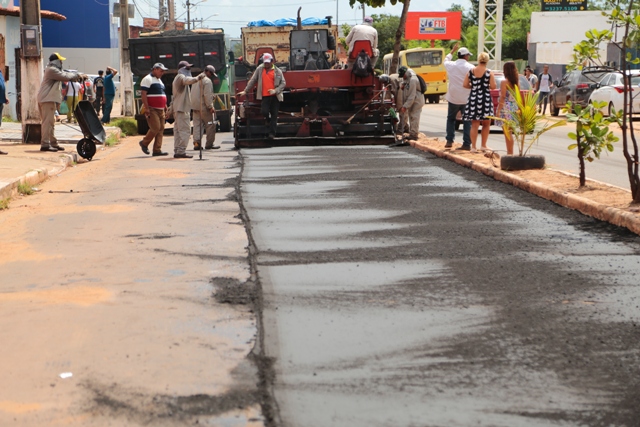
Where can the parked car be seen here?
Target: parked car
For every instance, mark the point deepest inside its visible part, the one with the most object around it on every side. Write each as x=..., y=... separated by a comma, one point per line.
x=610, y=89
x=576, y=86
x=525, y=87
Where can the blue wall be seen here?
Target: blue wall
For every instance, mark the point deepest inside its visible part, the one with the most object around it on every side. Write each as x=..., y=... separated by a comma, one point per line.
x=88, y=24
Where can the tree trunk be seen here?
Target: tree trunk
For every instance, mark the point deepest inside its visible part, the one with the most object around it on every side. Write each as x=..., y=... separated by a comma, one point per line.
x=583, y=178
x=399, y=33
x=631, y=158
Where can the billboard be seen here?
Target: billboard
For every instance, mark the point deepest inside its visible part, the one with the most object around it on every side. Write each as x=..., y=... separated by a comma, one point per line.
x=433, y=26
x=563, y=5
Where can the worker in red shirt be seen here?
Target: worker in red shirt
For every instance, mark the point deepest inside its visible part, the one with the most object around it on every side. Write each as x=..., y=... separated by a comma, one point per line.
x=271, y=83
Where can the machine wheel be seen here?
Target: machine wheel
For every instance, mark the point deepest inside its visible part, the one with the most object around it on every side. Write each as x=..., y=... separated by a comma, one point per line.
x=225, y=121
x=552, y=108
x=143, y=126
x=86, y=148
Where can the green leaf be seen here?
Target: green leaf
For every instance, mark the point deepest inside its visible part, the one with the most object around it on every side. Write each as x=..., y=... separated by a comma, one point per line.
x=573, y=136
x=572, y=146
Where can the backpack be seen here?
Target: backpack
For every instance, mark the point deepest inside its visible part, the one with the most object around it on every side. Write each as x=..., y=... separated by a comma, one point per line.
x=423, y=84
x=362, y=67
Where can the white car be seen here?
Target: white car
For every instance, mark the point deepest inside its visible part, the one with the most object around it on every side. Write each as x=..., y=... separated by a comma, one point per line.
x=610, y=90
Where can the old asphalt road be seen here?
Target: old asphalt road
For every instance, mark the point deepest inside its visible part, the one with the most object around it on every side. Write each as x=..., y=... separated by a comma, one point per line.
x=403, y=290
x=115, y=283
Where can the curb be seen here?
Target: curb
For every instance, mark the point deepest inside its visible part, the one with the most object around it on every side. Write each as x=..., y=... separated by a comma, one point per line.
x=585, y=206
x=36, y=176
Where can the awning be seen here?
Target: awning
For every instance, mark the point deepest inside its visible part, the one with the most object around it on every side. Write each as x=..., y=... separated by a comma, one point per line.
x=45, y=14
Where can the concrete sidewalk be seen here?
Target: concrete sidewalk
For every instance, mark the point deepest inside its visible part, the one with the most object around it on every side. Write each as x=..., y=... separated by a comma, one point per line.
x=25, y=163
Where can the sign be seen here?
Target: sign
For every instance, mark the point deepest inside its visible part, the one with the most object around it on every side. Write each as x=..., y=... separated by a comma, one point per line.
x=433, y=25
x=563, y=5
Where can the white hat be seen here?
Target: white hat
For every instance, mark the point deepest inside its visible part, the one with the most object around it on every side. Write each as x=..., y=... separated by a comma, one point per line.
x=267, y=57
x=464, y=52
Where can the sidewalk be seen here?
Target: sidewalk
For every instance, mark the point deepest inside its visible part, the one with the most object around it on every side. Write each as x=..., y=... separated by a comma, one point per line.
x=25, y=163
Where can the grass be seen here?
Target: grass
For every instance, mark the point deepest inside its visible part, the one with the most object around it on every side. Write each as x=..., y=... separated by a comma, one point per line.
x=4, y=203
x=25, y=189
x=127, y=126
x=111, y=140
x=9, y=119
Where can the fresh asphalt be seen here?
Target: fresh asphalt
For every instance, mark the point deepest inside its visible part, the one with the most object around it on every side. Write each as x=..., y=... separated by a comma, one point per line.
x=399, y=289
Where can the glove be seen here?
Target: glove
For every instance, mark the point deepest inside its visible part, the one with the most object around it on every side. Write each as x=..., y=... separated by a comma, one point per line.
x=272, y=91
x=242, y=93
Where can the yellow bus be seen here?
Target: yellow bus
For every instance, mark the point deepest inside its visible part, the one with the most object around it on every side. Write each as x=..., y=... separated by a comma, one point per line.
x=428, y=62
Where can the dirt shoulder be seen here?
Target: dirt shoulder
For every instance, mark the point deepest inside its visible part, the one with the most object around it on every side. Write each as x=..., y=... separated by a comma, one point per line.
x=597, y=199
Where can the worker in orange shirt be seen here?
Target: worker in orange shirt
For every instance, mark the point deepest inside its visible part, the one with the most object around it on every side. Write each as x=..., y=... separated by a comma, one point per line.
x=271, y=83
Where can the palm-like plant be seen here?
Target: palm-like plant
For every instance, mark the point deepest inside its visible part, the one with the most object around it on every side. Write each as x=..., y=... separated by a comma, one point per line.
x=523, y=125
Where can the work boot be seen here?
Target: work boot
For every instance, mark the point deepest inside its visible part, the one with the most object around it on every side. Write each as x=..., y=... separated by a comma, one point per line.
x=57, y=147
x=49, y=148
x=3, y=152
x=197, y=146
x=182, y=156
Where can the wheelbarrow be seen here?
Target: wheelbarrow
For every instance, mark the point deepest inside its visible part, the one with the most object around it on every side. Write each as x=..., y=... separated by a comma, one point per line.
x=91, y=128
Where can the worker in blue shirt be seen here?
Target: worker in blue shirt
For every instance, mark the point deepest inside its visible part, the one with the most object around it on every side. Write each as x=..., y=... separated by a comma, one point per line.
x=3, y=96
x=109, y=94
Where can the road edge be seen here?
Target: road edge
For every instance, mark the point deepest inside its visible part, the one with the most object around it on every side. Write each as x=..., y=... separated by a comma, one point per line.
x=585, y=206
x=37, y=176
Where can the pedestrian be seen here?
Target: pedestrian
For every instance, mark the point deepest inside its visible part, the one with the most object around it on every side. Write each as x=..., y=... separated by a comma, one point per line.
x=154, y=101
x=457, y=95
x=544, y=86
x=74, y=94
x=181, y=105
x=109, y=94
x=480, y=105
x=3, y=96
x=204, y=120
x=531, y=77
x=413, y=101
x=270, y=84
x=507, y=105
x=51, y=93
x=364, y=31
x=98, y=89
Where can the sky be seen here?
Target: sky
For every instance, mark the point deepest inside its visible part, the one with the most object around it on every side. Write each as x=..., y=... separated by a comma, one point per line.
x=231, y=15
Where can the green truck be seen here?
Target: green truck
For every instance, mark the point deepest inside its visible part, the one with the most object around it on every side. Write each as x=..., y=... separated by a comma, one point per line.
x=200, y=47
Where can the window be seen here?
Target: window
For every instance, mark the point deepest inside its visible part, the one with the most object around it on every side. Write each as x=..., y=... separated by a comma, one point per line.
x=428, y=57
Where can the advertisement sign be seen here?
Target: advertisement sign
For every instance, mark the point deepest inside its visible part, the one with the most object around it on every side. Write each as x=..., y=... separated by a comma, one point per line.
x=433, y=25
x=563, y=5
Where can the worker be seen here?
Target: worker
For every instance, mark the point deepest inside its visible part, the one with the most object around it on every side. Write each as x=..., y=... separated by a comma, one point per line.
x=395, y=86
x=154, y=101
x=49, y=95
x=413, y=101
x=109, y=94
x=181, y=106
x=364, y=31
x=204, y=120
x=270, y=82
x=98, y=90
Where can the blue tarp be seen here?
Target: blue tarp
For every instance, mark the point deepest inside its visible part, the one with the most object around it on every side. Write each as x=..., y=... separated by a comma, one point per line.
x=283, y=22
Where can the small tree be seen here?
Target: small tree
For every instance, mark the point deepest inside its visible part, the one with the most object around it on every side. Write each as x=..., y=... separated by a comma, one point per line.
x=625, y=18
x=592, y=134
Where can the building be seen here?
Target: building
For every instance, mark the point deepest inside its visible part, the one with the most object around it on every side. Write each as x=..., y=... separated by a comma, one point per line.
x=10, y=49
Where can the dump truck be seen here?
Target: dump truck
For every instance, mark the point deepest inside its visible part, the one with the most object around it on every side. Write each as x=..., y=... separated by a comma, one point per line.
x=323, y=104
x=200, y=47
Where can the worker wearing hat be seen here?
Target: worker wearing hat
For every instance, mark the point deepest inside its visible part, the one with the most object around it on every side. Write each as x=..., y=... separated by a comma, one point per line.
x=49, y=95
x=181, y=105
x=202, y=106
x=154, y=102
x=270, y=84
x=412, y=101
x=364, y=31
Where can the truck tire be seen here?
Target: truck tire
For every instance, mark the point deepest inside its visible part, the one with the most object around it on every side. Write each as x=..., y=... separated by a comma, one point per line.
x=224, y=117
x=434, y=99
x=143, y=126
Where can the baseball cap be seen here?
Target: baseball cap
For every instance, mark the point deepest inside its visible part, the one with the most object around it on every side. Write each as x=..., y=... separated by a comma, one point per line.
x=267, y=57
x=402, y=70
x=184, y=64
x=160, y=65
x=464, y=52
x=56, y=55
x=211, y=69
x=368, y=20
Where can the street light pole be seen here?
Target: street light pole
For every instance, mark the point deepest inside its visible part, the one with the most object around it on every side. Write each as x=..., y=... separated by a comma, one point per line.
x=188, y=15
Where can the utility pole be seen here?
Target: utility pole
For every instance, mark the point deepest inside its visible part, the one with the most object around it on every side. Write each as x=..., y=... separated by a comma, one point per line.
x=490, y=31
x=31, y=70
x=171, y=24
x=188, y=15
x=162, y=15
x=126, y=79
x=362, y=4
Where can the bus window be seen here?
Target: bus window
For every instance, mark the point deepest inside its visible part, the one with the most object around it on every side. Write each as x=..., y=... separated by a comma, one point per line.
x=419, y=59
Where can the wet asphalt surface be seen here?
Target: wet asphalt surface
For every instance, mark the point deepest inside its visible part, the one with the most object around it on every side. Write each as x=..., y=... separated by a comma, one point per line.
x=399, y=289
